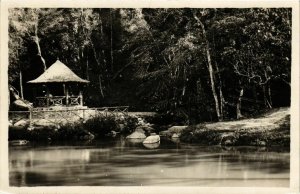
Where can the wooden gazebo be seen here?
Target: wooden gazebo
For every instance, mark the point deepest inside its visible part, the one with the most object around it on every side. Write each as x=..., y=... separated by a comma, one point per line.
x=59, y=86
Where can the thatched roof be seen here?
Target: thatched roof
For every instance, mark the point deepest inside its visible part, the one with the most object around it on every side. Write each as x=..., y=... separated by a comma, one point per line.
x=59, y=73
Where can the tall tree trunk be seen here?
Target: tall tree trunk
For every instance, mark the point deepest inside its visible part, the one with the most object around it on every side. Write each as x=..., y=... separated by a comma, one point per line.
x=21, y=84
x=210, y=68
x=37, y=42
x=270, y=96
x=100, y=86
x=111, y=42
x=222, y=103
x=222, y=99
x=266, y=101
x=239, y=104
x=87, y=68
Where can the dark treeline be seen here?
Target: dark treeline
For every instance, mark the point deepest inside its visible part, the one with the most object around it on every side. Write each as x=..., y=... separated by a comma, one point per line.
x=201, y=64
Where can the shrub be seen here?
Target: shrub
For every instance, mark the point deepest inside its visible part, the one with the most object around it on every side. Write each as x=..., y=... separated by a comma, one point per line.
x=100, y=126
x=130, y=124
x=15, y=133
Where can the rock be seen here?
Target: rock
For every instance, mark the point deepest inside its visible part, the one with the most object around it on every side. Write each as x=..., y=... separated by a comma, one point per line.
x=261, y=143
x=121, y=126
x=141, y=121
x=21, y=123
x=112, y=134
x=139, y=129
x=30, y=128
x=153, y=138
x=176, y=129
x=228, y=139
x=172, y=130
x=134, y=141
x=151, y=145
x=228, y=142
x=136, y=135
x=176, y=135
x=165, y=133
x=19, y=142
x=43, y=122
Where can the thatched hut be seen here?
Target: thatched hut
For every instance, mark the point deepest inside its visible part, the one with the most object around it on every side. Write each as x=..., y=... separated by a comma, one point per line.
x=60, y=86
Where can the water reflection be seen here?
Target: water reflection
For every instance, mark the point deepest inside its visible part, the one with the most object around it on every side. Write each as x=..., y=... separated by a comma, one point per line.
x=125, y=163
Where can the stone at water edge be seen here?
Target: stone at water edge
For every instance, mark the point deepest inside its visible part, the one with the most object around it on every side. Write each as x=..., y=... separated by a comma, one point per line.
x=153, y=138
x=144, y=128
x=151, y=145
x=136, y=135
x=139, y=129
x=18, y=142
x=21, y=123
x=176, y=129
x=176, y=135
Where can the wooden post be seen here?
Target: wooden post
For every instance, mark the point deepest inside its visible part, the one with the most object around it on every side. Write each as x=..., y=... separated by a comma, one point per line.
x=81, y=98
x=67, y=94
x=30, y=117
x=47, y=96
x=83, y=115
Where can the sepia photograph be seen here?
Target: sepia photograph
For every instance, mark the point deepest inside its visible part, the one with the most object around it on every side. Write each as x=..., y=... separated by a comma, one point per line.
x=150, y=97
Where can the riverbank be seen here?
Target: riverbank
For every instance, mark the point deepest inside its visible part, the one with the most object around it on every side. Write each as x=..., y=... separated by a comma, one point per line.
x=269, y=129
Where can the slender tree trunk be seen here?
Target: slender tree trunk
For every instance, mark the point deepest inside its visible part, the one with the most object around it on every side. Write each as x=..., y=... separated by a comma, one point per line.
x=87, y=68
x=222, y=103
x=37, y=42
x=21, y=84
x=100, y=86
x=210, y=69
x=270, y=96
x=111, y=42
x=266, y=101
x=239, y=104
x=222, y=99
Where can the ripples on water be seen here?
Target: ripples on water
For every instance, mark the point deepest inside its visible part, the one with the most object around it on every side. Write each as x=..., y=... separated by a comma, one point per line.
x=122, y=163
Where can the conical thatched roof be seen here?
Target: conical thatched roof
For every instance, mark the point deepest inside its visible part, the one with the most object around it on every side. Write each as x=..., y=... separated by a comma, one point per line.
x=58, y=72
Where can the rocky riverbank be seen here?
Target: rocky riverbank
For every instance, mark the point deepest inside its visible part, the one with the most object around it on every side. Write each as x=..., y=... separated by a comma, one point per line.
x=270, y=129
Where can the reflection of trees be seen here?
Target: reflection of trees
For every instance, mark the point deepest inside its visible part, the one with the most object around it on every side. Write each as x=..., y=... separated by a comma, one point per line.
x=123, y=163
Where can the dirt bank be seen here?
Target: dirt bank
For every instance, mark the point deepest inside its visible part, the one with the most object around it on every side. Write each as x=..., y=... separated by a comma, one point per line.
x=269, y=129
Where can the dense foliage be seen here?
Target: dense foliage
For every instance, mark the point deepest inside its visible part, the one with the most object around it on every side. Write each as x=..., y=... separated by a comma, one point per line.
x=200, y=64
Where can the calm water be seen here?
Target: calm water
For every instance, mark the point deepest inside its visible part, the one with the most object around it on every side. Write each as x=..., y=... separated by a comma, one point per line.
x=123, y=163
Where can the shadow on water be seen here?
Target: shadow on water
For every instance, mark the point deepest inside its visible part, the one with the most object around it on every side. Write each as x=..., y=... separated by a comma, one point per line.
x=119, y=162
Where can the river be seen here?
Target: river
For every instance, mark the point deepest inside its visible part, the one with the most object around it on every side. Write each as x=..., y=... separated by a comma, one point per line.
x=119, y=162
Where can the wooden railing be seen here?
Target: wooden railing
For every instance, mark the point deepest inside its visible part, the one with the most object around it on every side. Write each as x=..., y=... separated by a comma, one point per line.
x=67, y=114
x=58, y=100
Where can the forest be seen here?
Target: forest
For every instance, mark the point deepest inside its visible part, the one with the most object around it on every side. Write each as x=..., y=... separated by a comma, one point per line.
x=195, y=64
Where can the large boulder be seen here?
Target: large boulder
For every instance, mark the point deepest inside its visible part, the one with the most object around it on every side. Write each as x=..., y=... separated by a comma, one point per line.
x=136, y=135
x=153, y=138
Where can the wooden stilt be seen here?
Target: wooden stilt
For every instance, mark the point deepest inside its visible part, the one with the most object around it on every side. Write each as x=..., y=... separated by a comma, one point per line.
x=47, y=96
x=81, y=98
x=67, y=94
